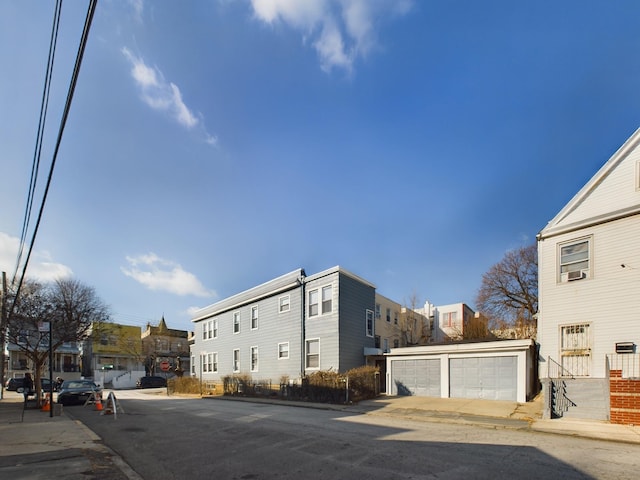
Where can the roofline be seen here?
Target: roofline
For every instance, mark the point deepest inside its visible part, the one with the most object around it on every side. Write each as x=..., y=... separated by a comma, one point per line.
x=225, y=305
x=339, y=269
x=627, y=147
x=461, y=348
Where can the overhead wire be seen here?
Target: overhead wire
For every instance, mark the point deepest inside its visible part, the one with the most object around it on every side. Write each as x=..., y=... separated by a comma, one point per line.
x=39, y=136
x=63, y=121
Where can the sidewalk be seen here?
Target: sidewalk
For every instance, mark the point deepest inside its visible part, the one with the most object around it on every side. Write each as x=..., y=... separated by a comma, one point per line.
x=42, y=447
x=498, y=414
x=487, y=413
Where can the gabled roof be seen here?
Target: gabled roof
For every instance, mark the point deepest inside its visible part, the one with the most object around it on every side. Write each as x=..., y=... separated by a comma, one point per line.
x=588, y=207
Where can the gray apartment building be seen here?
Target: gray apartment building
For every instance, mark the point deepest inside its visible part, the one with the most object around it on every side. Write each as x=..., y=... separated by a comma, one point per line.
x=287, y=327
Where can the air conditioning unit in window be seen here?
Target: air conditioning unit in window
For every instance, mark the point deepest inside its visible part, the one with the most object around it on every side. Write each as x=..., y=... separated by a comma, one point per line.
x=575, y=275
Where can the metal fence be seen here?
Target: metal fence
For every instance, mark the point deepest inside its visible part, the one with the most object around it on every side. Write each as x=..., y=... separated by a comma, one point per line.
x=629, y=363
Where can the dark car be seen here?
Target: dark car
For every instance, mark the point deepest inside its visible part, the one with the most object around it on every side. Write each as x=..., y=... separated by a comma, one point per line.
x=151, y=382
x=13, y=384
x=74, y=392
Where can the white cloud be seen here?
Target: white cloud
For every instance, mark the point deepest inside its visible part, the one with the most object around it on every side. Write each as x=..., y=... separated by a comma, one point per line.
x=41, y=267
x=138, y=8
x=340, y=30
x=156, y=273
x=162, y=95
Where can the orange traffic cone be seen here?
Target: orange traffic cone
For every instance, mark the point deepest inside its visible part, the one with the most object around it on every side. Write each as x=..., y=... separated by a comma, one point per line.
x=46, y=407
x=98, y=403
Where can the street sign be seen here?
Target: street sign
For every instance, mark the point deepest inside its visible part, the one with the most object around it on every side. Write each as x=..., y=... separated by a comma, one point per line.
x=164, y=366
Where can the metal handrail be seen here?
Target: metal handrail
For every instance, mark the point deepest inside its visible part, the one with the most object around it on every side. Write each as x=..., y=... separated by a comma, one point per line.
x=555, y=370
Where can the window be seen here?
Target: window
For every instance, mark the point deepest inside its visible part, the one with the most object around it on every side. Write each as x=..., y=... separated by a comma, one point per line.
x=326, y=299
x=377, y=341
x=395, y=317
x=574, y=260
x=236, y=360
x=254, y=318
x=210, y=329
x=254, y=359
x=213, y=361
x=204, y=366
x=209, y=362
x=236, y=322
x=576, y=337
x=284, y=304
x=313, y=303
x=378, y=308
x=283, y=350
x=193, y=365
x=389, y=315
x=369, y=323
x=386, y=344
x=313, y=354
x=449, y=319
x=396, y=343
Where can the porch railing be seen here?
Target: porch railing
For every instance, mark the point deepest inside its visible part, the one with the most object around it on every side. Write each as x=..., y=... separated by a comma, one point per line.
x=555, y=370
x=629, y=363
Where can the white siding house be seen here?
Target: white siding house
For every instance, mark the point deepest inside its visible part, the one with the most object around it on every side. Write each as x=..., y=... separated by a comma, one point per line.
x=589, y=271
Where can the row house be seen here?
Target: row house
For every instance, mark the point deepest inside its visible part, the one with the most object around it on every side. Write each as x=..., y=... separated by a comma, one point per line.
x=112, y=355
x=287, y=328
x=448, y=321
x=165, y=350
x=66, y=360
x=588, y=282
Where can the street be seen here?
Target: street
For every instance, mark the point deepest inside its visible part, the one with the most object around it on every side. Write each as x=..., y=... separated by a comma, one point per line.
x=164, y=437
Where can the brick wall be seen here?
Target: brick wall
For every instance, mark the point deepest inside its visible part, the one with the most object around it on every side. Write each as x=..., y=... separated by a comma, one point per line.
x=624, y=399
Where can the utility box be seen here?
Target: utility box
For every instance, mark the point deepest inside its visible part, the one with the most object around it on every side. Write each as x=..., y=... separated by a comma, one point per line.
x=625, y=347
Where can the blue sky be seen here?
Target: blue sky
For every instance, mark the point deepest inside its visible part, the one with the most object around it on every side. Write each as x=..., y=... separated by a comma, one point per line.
x=214, y=145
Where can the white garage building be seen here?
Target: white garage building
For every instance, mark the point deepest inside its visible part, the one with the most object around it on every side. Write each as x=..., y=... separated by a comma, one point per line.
x=500, y=370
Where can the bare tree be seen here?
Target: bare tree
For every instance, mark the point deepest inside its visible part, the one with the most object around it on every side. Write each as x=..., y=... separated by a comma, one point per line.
x=476, y=328
x=67, y=305
x=508, y=295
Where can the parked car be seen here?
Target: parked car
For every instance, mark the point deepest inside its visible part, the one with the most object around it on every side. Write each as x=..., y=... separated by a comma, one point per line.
x=151, y=382
x=13, y=384
x=77, y=391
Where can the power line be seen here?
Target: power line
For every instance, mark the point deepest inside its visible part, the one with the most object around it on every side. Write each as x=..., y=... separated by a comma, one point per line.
x=63, y=121
x=41, y=125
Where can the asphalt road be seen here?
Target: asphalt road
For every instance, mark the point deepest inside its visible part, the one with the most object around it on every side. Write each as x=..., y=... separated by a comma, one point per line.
x=177, y=438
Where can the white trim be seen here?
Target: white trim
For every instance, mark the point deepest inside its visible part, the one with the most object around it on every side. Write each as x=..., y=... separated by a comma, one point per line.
x=369, y=333
x=251, y=365
x=235, y=360
x=237, y=315
x=306, y=353
x=287, y=305
x=553, y=227
x=254, y=308
x=586, y=272
x=283, y=358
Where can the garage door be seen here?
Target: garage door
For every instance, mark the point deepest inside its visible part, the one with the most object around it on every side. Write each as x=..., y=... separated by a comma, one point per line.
x=491, y=378
x=416, y=377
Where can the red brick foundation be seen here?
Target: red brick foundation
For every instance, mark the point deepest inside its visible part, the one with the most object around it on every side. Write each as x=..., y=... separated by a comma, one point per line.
x=624, y=399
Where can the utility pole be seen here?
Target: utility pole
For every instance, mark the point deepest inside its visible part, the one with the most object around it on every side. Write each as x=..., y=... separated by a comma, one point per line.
x=3, y=330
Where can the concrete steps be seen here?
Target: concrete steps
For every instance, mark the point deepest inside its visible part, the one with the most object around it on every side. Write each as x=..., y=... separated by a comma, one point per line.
x=590, y=396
